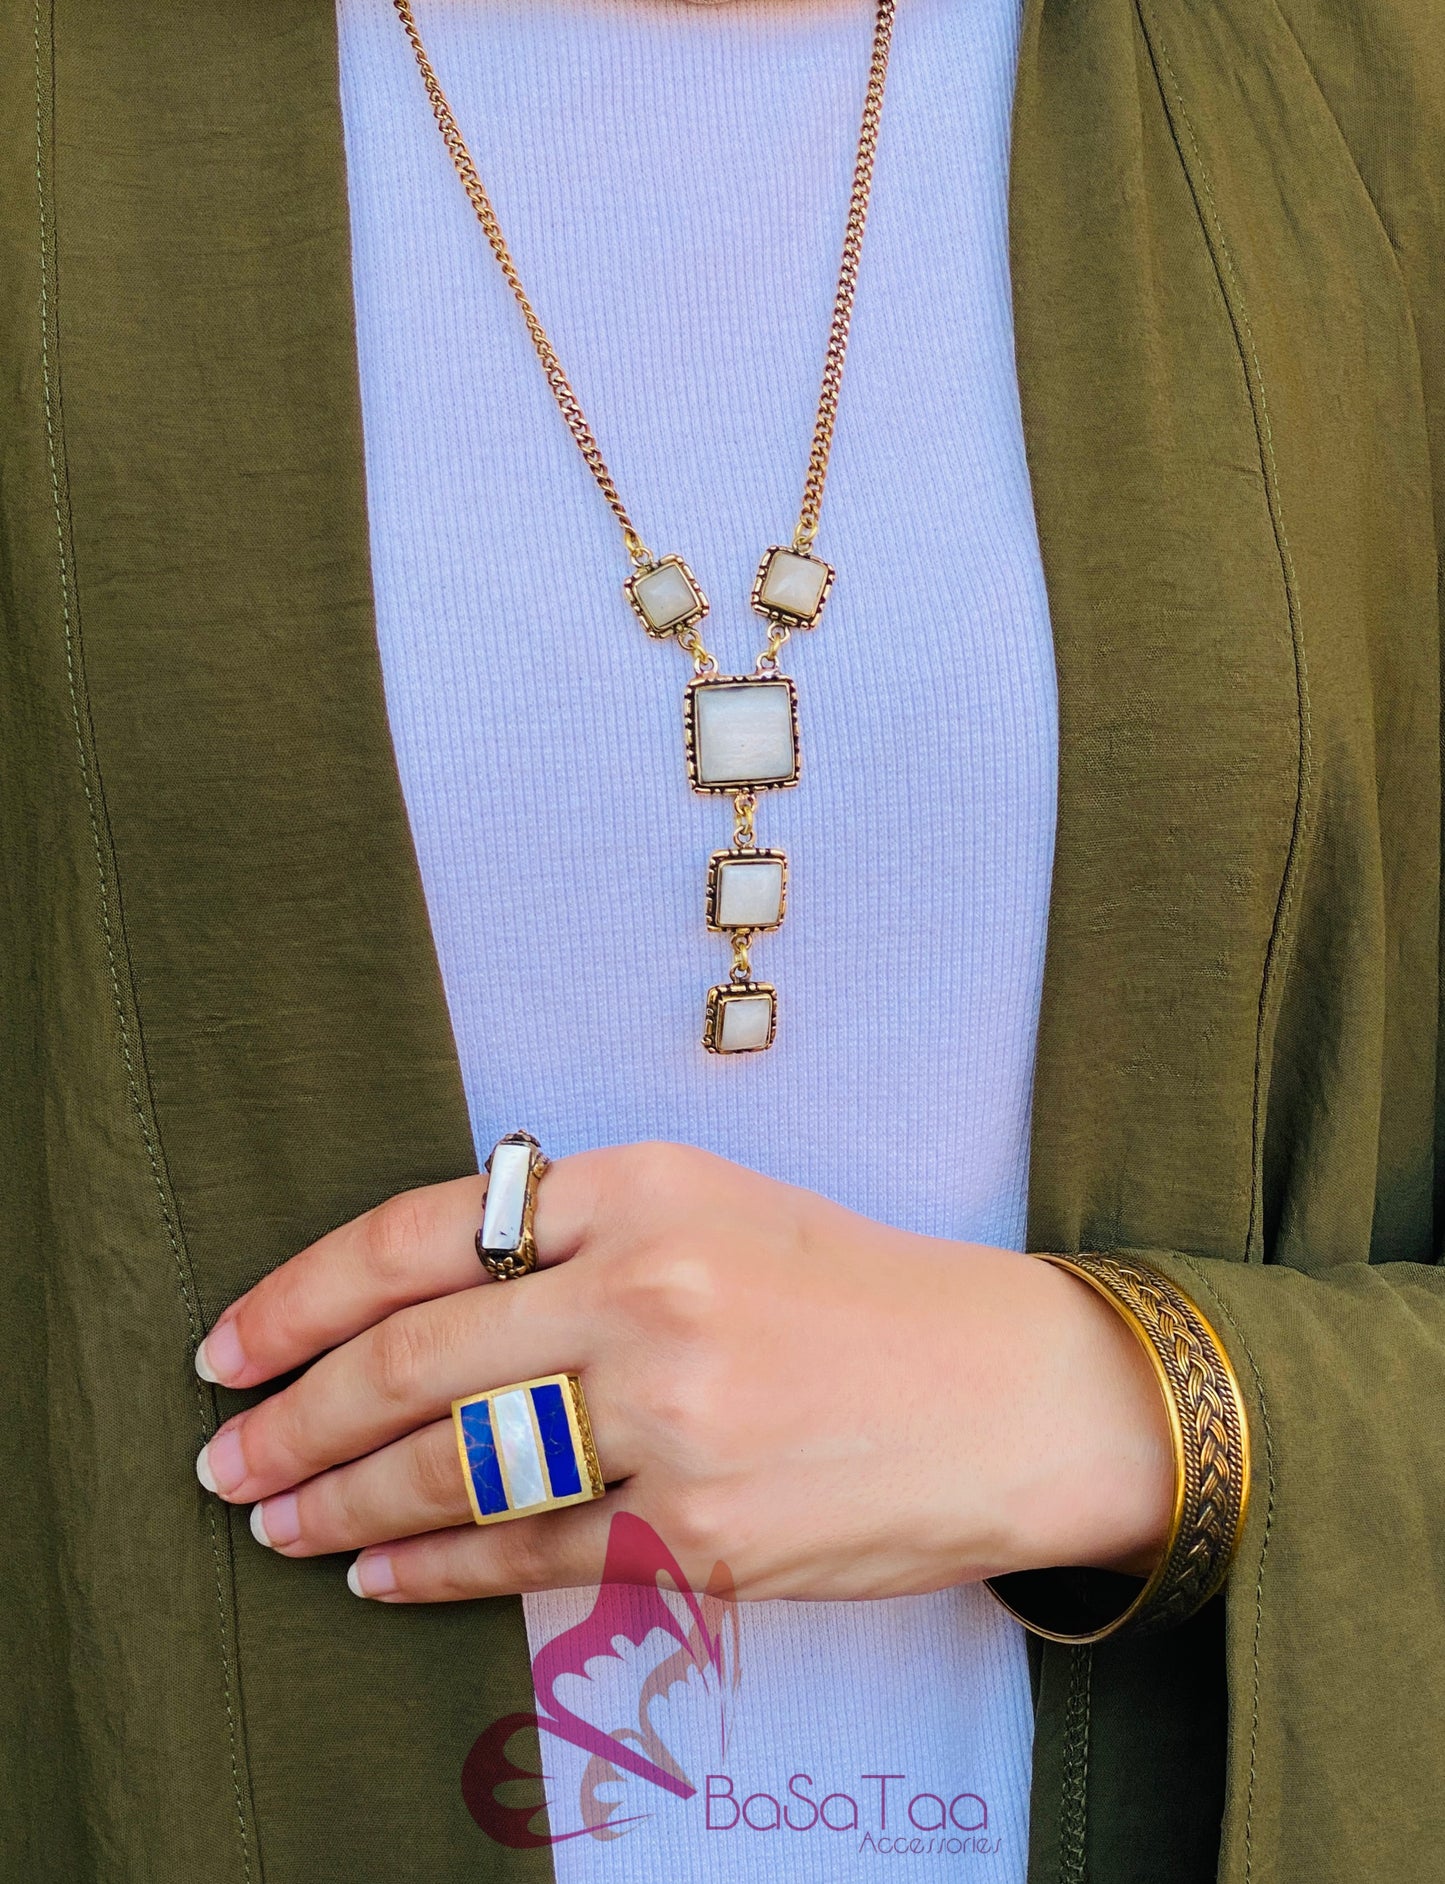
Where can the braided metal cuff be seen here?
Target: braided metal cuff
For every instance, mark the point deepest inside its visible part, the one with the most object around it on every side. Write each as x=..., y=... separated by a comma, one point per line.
x=1210, y=1437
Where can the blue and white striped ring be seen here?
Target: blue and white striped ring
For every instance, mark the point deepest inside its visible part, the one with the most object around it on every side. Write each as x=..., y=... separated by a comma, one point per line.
x=527, y=1448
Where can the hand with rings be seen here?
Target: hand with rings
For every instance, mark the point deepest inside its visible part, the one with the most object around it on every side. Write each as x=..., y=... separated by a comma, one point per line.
x=829, y=1407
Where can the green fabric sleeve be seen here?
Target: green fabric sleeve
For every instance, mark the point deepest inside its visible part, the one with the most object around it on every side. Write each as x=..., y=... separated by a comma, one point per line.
x=1336, y=1599
x=1335, y=1605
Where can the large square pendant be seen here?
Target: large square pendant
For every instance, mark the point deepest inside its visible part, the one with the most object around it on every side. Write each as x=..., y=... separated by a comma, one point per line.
x=741, y=732
x=742, y=1017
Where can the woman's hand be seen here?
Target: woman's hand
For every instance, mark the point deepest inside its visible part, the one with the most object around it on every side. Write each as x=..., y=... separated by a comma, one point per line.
x=830, y=1408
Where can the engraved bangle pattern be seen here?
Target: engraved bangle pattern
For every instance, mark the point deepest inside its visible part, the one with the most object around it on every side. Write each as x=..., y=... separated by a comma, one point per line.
x=1209, y=1432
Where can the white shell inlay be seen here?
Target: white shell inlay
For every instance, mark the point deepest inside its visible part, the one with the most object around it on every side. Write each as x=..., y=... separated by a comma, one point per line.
x=793, y=584
x=745, y=1021
x=506, y=1197
x=517, y=1442
x=749, y=895
x=665, y=596
x=744, y=733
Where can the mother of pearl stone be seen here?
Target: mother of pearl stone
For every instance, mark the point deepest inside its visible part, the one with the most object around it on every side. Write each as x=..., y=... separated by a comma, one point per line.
x=744, y=733
x=749, y=894
x=666, y=595
x=506, y=1197
x=793, y=584
x=745, y=1022
x=517, y=1443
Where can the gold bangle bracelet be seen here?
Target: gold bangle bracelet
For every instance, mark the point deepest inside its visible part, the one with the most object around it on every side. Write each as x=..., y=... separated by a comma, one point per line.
x=1209, y=1433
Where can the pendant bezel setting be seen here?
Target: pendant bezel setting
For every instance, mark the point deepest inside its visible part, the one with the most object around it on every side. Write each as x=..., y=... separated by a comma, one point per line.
x=667, y=630
x=720, y=862
x=734, y=995
x=693, y=736
x=781, y=615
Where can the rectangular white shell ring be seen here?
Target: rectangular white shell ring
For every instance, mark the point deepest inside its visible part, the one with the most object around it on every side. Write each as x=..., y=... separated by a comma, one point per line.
x=506, y=1247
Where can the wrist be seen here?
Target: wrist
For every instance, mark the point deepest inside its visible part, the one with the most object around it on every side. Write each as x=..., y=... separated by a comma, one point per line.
x=1109, y=1501
x=1209, y=1440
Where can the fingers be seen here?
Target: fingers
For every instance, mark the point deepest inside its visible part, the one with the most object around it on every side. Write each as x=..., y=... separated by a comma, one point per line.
x=397, y=1376
x=415, y=1486
x=556, y=1550
x=412, y=1248
x=409, y=1249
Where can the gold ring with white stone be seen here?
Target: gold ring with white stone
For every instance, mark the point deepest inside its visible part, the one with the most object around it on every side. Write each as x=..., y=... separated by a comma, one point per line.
x=506, y=1247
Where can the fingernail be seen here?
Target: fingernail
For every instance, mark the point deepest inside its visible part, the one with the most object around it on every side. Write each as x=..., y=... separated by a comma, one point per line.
x=220, y=1357
x=277, y=1522
x=371, y=1576
x=221, y=1465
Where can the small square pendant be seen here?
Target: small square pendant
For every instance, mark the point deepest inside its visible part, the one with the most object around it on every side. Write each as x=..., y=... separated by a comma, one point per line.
x=746, y=889
x=742, y=1017
x=791, y=589
x=741, y=732
x=666, y=597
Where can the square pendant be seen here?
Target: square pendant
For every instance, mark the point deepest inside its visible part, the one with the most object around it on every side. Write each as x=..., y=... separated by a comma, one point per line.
x=742, y=1017
x=741, y=732
x=746, y=889
x=791, y=589
x=527, y=1448
x=665, y=597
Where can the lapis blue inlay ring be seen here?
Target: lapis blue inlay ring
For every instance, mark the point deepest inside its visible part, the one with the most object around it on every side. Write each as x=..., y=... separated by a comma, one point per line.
x=506, y=1247
x=527, y=1448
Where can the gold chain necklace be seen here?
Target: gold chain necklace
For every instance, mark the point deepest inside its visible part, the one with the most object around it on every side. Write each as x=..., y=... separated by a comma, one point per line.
x=740, y=731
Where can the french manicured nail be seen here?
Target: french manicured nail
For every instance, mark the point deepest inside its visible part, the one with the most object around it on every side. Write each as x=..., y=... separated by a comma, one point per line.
x=221, y=1465
x=371, y=1576
x=220, y=1357
x=277, y=1522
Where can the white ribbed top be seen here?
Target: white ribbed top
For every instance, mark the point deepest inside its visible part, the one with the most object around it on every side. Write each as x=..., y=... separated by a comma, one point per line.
x=673, y=180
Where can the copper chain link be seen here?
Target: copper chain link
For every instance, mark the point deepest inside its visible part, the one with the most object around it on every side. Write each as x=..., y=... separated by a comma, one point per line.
x=561, y=387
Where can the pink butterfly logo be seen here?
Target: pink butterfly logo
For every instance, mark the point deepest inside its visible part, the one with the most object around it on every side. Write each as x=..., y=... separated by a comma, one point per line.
x=643, y=1597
